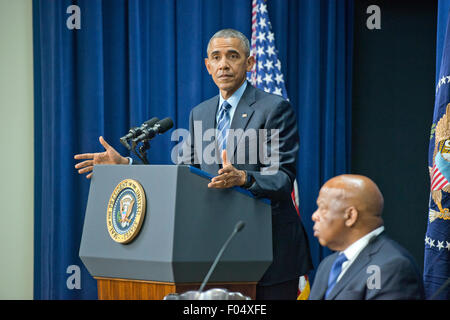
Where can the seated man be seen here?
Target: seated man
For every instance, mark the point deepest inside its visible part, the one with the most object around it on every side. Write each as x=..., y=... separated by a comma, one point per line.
x=367, y=264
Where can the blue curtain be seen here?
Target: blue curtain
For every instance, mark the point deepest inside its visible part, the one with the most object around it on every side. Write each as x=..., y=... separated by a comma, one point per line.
x=133, y=60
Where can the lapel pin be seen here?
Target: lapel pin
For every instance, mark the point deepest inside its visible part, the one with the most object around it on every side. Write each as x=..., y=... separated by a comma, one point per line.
x=244, y=115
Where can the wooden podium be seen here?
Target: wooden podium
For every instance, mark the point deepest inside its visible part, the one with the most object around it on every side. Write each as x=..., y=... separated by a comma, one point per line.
x=122, y=289
x=184, y=227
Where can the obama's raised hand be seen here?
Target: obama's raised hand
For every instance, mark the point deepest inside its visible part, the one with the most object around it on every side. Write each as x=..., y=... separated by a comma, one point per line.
x=109, y=156
x=228, y=176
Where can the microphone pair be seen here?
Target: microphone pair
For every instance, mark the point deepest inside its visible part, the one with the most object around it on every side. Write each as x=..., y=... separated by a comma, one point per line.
x=147, y=131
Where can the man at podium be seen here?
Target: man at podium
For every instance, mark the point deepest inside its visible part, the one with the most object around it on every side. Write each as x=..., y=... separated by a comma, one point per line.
x=241, y=113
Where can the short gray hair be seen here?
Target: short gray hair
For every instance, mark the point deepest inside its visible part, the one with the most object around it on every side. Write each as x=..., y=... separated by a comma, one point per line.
x=231, y=33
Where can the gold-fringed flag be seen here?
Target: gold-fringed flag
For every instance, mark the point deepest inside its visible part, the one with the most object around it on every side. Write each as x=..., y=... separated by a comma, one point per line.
x=436, y=274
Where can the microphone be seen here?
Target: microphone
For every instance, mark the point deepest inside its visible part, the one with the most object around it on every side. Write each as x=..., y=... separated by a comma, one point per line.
x=149, y=133
x=135, y=131
x=237, y=228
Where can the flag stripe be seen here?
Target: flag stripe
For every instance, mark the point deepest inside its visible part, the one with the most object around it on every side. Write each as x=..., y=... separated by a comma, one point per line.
x=438, y=179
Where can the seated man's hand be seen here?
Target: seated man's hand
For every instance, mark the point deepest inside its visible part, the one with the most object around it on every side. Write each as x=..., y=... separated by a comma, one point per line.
x=109, y=156
x=228, y=176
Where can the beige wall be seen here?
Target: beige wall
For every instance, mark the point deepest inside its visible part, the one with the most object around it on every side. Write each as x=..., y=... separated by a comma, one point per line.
x=16, y=145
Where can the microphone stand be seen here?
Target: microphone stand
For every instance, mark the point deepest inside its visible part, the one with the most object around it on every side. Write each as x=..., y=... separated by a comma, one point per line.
x=142, y=155
x=143, y=151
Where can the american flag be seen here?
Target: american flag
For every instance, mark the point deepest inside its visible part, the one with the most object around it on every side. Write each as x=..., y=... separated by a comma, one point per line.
x=266, y=75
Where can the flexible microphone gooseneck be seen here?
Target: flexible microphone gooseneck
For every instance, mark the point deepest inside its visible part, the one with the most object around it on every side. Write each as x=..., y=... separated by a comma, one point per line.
x=237, y=228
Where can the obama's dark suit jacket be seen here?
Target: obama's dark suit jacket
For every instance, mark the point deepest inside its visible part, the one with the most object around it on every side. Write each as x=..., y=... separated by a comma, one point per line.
x=260, y=110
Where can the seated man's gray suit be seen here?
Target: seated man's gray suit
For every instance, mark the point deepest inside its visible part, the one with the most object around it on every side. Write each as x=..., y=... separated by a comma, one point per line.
x=399, y=277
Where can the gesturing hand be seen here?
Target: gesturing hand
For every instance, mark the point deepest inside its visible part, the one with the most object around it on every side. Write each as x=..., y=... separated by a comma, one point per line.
x=109, y=156
x=228, y=176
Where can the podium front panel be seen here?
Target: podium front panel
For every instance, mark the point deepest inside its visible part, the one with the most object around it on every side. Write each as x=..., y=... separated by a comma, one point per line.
x=184, y=228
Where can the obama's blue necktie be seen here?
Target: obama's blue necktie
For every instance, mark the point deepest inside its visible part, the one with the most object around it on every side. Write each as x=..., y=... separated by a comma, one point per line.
x=223, y=125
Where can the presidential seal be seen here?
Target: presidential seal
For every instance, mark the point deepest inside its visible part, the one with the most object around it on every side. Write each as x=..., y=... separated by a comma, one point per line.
x=126, y=211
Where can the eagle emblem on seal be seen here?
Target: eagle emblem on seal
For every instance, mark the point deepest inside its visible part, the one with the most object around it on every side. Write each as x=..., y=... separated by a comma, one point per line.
x=440, y=172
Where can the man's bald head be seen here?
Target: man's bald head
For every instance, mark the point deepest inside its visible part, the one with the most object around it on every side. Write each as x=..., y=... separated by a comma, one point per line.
x=359, y=191
x=349, y=207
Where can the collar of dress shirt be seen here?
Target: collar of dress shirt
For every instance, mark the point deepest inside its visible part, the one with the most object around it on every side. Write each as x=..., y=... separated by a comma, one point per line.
x=233, y=100
x=356, y=247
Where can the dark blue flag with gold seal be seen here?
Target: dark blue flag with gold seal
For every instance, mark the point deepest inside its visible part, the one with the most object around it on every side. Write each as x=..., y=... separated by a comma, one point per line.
x=437, y=239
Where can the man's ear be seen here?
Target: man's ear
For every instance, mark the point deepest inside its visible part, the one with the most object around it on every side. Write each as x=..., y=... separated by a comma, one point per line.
x=250, y=63
x=207, y=65
x=351, y=216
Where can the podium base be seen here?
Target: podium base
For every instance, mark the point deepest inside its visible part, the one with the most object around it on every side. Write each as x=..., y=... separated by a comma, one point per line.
x=126, y=289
